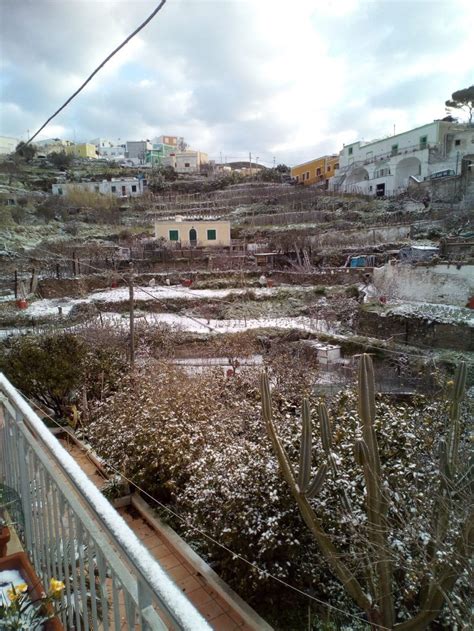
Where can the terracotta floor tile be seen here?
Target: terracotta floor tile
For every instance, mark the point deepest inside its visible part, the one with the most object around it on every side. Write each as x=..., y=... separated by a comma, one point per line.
x=223, y=603
x=169, y=561
x=159, y=549
x=237, y=618
x=189, y=584
x=179, y=573
x=210, y=610
x=224, y=623
x=199, y=597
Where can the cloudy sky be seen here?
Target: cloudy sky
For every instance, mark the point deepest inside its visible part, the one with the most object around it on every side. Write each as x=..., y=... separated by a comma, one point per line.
x=287, y=79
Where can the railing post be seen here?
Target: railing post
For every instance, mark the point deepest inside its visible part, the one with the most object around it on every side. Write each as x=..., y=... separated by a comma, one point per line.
x=23, y=460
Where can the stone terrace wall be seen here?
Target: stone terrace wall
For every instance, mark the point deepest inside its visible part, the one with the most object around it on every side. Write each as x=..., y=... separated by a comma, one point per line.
x=442, y=284
x=416, y=331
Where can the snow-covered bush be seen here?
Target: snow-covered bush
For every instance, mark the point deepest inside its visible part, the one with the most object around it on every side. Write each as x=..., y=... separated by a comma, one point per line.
x=199, y=443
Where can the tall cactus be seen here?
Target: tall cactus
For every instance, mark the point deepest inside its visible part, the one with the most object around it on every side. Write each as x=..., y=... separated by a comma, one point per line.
x=378, y=603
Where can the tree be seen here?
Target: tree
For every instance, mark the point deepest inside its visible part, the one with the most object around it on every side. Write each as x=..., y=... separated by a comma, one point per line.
x=282, y=168
x=447, y=542
x=462, y=99
x=25, y=151
x=46, y=368
x=60, y=159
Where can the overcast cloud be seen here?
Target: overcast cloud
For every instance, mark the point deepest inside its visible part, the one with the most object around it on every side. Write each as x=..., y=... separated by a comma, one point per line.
x=292, y=79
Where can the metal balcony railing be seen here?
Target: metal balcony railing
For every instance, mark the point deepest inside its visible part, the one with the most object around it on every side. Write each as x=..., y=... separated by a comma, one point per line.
x=72, y=533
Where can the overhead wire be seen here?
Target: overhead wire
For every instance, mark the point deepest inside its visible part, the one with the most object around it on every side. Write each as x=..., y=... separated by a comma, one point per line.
x=99, y=67
x=234, y=554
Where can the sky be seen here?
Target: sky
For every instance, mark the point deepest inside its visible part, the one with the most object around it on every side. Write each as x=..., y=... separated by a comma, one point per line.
x=285, y=80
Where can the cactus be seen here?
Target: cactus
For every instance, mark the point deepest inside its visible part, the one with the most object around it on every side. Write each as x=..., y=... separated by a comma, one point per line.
x=379, y=604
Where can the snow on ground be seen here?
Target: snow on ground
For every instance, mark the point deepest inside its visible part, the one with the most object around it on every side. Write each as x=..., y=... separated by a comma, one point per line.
x=50, y=306
x=202, y=325
x=444, y=314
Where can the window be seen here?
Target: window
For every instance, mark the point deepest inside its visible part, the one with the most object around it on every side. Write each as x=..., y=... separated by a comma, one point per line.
x=351, y=150
x=307, y=175
x=60, y=191
x=423, y=142
x=187, y=164
x=134, y=188
x=174, y=235
x=336, y=166
x=113, y=189
x=328, y=169
x=394, y=150
x=318, y=171
x=457, y=142
x=211, y=235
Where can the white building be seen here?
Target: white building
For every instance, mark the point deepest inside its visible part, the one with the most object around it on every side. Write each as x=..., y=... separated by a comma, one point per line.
x=8, y=144
x=137, y=150
x=109, y=149
x=119, y=187
x=113, y=153
x=52, y=145
x=384, y=167
x=190, y=161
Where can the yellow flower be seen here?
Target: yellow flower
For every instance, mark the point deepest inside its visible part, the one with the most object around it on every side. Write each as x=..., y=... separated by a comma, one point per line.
x=55, y=588
x=15, y=593
x=450, y=383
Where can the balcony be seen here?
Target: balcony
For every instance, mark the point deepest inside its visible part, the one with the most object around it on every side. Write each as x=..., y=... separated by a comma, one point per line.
x=71, y=532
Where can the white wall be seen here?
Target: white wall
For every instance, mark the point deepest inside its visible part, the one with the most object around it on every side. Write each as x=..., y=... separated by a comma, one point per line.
x=104, y=188
x=443, y=284
x=7, y=144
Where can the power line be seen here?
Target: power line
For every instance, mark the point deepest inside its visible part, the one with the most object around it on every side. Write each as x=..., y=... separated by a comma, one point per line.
x=209, y=537
x=137, y=30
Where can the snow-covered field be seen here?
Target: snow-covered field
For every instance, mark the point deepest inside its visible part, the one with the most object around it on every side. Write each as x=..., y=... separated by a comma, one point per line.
x=444, y=314
x=202, y=325
x=50, y=306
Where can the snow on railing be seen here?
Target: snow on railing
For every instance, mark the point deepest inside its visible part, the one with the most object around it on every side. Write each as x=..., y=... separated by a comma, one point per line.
x=72, y=533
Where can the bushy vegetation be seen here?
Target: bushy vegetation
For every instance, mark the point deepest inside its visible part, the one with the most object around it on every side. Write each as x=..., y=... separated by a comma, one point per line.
x=60, y=369
x=199, y=443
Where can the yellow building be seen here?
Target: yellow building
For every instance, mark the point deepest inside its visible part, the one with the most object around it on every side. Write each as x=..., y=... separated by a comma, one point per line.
x=316, y=171
x=199, y=232
x=82, y=150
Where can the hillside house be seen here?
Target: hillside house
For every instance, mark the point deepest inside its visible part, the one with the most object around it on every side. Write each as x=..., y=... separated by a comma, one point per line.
x=317, y=171
x=190, y=161
x=194, y=232
x=385, y=167
x=119, y=187
x=8, y=144
x=82, y=150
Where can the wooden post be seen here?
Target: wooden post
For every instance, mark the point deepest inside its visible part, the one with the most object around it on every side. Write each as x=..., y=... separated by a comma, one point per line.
x=132, y=317
x=57, y=271
x=74, y=262
x=16, y=284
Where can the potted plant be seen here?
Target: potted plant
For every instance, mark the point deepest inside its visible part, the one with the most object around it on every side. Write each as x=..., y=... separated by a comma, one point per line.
x=24, y=604
x=4, y=535
x=10, y=514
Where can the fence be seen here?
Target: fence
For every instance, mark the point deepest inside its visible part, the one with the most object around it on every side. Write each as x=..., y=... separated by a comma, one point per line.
x=73, y=534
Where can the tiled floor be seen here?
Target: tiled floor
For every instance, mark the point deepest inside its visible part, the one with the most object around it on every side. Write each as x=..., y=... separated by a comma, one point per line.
x=217, y=611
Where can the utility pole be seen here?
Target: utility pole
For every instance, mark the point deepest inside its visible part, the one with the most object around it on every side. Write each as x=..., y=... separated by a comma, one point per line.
x=132, y=317
x=250, y=162
x=274, y=160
